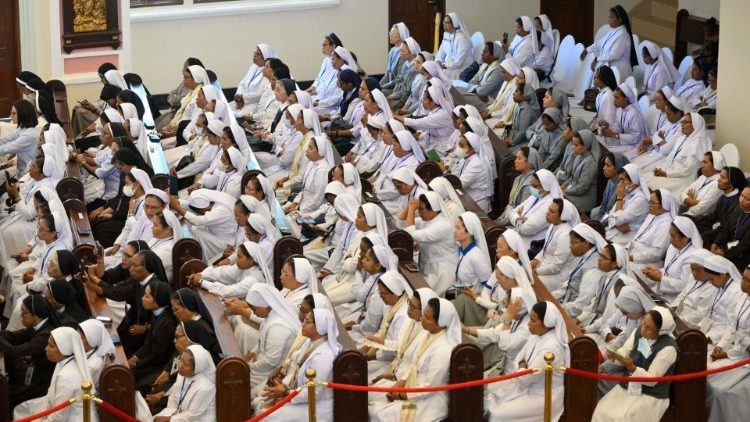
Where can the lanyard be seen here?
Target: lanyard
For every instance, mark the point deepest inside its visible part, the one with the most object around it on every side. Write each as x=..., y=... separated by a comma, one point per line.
x=349, y=231
x=642, y=232
x=743, y=309
x=159, y=242
x=677, y=255
x=578, y=168
x=374, y=282
x=227, y=176
x=697, y=285
x=678, y=149
x=183, y=394
x=462, y=254
x=609, y=36
x=91, y=353
x=517, y=323
x=463, y=166
x=719, y=295
x=605, y=287
x=708, y=180
x=44, y=260
x=530, y=208
x=622, y=119
x=580, y=265
x=548, y=239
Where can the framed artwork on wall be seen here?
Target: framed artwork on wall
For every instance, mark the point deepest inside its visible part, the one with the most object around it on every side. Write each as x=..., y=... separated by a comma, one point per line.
x=90, y=23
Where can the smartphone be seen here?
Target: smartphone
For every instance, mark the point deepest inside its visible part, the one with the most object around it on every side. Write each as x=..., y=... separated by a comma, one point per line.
x=505, y=37
x=173, y=185
x=433, y=156
x=107, y=321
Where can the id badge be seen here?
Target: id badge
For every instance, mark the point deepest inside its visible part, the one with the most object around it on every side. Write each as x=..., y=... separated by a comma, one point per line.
x=730, y=245
x=705, y=325
x=174, y=366
x=634, y=388
x=716, y=225
x=29, y=375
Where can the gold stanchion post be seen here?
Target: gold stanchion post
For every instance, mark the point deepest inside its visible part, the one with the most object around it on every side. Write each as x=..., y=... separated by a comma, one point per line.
x=310, y=374
x=548, y=368
x=437, y=32
x=86, y=399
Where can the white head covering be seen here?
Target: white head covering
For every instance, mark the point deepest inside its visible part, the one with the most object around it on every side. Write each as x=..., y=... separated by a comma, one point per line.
x=253, y=205
x=174, y=223
x=138, y=132
x=590, y=235
x=53, y=166
x=413, y=46
x=295, y=109
x=443, y=187
x=62, y=228
x=509, y=267
x=458, y=23
x=347, y=57
x=410, y=177
x=698, y=139
x=449, y=320
x=335, y=188
x=346, y=204
x=114, y=77
x=547, y=27
x=56, y=136
x=699, y=257
x=204, y=363
x=325, y=149
x=395, y=126
x=633, y=298
x=256, y=254
x=570, y=213
x=159, y=194
x=69, y=343
x=325, y=324
x=621, y=256
x=687, y=227
x=303, y=99
x=554, y=319
x=403, y=30
x=437, y=73
x=425, y=294
x=113, y=116
x=385, y=255
x=351, y=177
x=629, y=93
x=98, y=337
x=680, y=103
x=667, y=321
x=528, y=26
x=235, y=157
x=321, y=301
x=511, y=66
x=661, y=61
x=382, y=102
x=474, y=227
x=375, y=217
x=549, y=183
x=142, y=178
x=721, y=265
x=216, y=127
x=267, y=51
x=634, y=173
x=516, y=243
x=407, y=142
x=436, y=203
x=267, y=296
x=312, y=121
x=396, y=283
x=718, y=160
x=199, y=75
x=128, y=111
x=479, y=147
x=56, y=208
x=200, y=198
x=268, y=191
x=305, y=273
x=262, y=224
x=532, y=79
x=438, y=95
x=239, y=137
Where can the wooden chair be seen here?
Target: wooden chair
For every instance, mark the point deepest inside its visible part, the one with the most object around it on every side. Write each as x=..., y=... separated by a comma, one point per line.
x=467, y=364
x=491, y=237
x=193, y=266
x=688, y=398
x=350, y=367
x=402, y=245
x=233, y=390
x=69, y=188
x=60, y=98
x=689, y=30
x=184, y=250
x=455, y=181
x=428, y=170
x=248, y=174
x=161, y=181
x=581, y=394
x=117, y=387
x=506, y=174
x=284, y=248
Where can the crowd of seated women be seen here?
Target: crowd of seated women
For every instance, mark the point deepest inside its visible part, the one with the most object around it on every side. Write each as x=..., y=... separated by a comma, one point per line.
x=672, y=218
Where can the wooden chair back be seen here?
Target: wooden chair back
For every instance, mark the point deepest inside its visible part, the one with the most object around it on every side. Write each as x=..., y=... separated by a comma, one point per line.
x=284, y=248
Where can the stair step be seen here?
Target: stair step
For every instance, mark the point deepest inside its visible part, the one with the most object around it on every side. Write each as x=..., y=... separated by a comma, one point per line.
x=654, y=30
x=664, y=10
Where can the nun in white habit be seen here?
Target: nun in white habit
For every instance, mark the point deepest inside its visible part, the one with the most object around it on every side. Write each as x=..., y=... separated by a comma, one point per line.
x=660, y=72
x=380, y=347
x=583, y=277
x=694, y=301
x=650, y=242
x=522, y=399
x=407, y=154
x=613, y=262
x=523, y=48
x=426, y=367
x=436, y=127
x=227, y=178
x=100, y=348
x=723, y=274
x=454, y=53
x=164, y=238
x=632, y=304
x=474, y=171
x=552, y=262
x=72, y=369
x=629, y=127
x=192, y=397
x=253, y=84
x=315, y=178
x=234, y=280
x=501, y=110
x=530, y=218
x=630, y=208
x=432, y=230
x=213, y=226
x=278, y=329
x=701, y=197
x=453, y=205
x=473, y=271
x=320, y=327
x=265, y=233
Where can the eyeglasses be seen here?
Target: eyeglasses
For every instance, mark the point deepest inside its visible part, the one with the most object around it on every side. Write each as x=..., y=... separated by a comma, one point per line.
x=178, y=336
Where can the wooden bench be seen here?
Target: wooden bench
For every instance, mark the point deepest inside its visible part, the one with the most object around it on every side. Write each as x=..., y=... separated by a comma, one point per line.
x=60, y=99
x=83, y=238
x=184, y=250
x=69, y=188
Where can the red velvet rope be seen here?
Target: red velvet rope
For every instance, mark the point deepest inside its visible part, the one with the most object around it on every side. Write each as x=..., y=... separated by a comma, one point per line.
x=117, y=412
x=681, y=377
x=47, y=412
x=292, y=394
x=448, y=387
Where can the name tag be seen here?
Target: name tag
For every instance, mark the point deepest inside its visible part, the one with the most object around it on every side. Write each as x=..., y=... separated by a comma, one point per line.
x=634, y=388
x=732, y=244
x=705, y=325
x=29, y=375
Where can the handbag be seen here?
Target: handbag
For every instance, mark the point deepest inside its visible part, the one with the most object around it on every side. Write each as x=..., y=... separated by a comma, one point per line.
x=589, y=99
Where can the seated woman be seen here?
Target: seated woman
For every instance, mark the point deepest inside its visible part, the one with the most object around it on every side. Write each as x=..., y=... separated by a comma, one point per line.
x=579, y=182
x=425, y=366
x=18, y=234
x=278, y=329
x=407, y=154
x=436, y=127
x=25, y=348
x=61, y=296
x=553, y=98
x=583, y=277
x=350, y=127
x=505, y=334
x=606, y=111
x=308, y=124
x=550, y=263
x=522, y=398
x=694, y=87
x=732, y=347
x=396, y=36
x=196, y=401
x=694, y=301
x=394, y=291
x=315, y=178
x=613, y=163
x=454, y=53
x=261, y=230
x=205, y=156
x=320, y=327
x=474, y=171
x=413, y=106
x=526, y=111
x=453, y=205
x=23, y=141
x=613, y=262
x=709, y=97
x=432, y=231
x=700, y=198
x=328, y=93
x=252, y=85
x=650, y=242
x=211, y=218
x=166, y=231
x=650, y=351
x=235, y=280
x=677, y=170
x=401, y=91
x=660, y=71
x=551, y=145
x=630, y=207
x=473, y=271
x=227, y=178
x=725, y=277
x=526, y=163
x=286, y=142
x=187, y=305
x=156, y=200
x=102, y=167
x=502, y=109
x=97, y=343
x=64, y=347
x=629, y=127
x=528, y=219
x=667, y=123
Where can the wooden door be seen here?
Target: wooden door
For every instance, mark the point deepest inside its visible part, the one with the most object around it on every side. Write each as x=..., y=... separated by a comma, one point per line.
x=10, y=55
x=571, y=17
x=419, y=16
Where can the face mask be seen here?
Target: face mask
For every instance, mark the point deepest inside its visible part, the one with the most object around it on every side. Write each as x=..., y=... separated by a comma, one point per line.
x=128, y=191
x=460, y=152
x=644, y=347
x=221, y=167
x=535, y=193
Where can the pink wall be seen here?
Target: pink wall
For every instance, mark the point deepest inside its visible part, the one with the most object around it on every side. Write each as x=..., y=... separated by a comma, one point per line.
x=88, y=64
